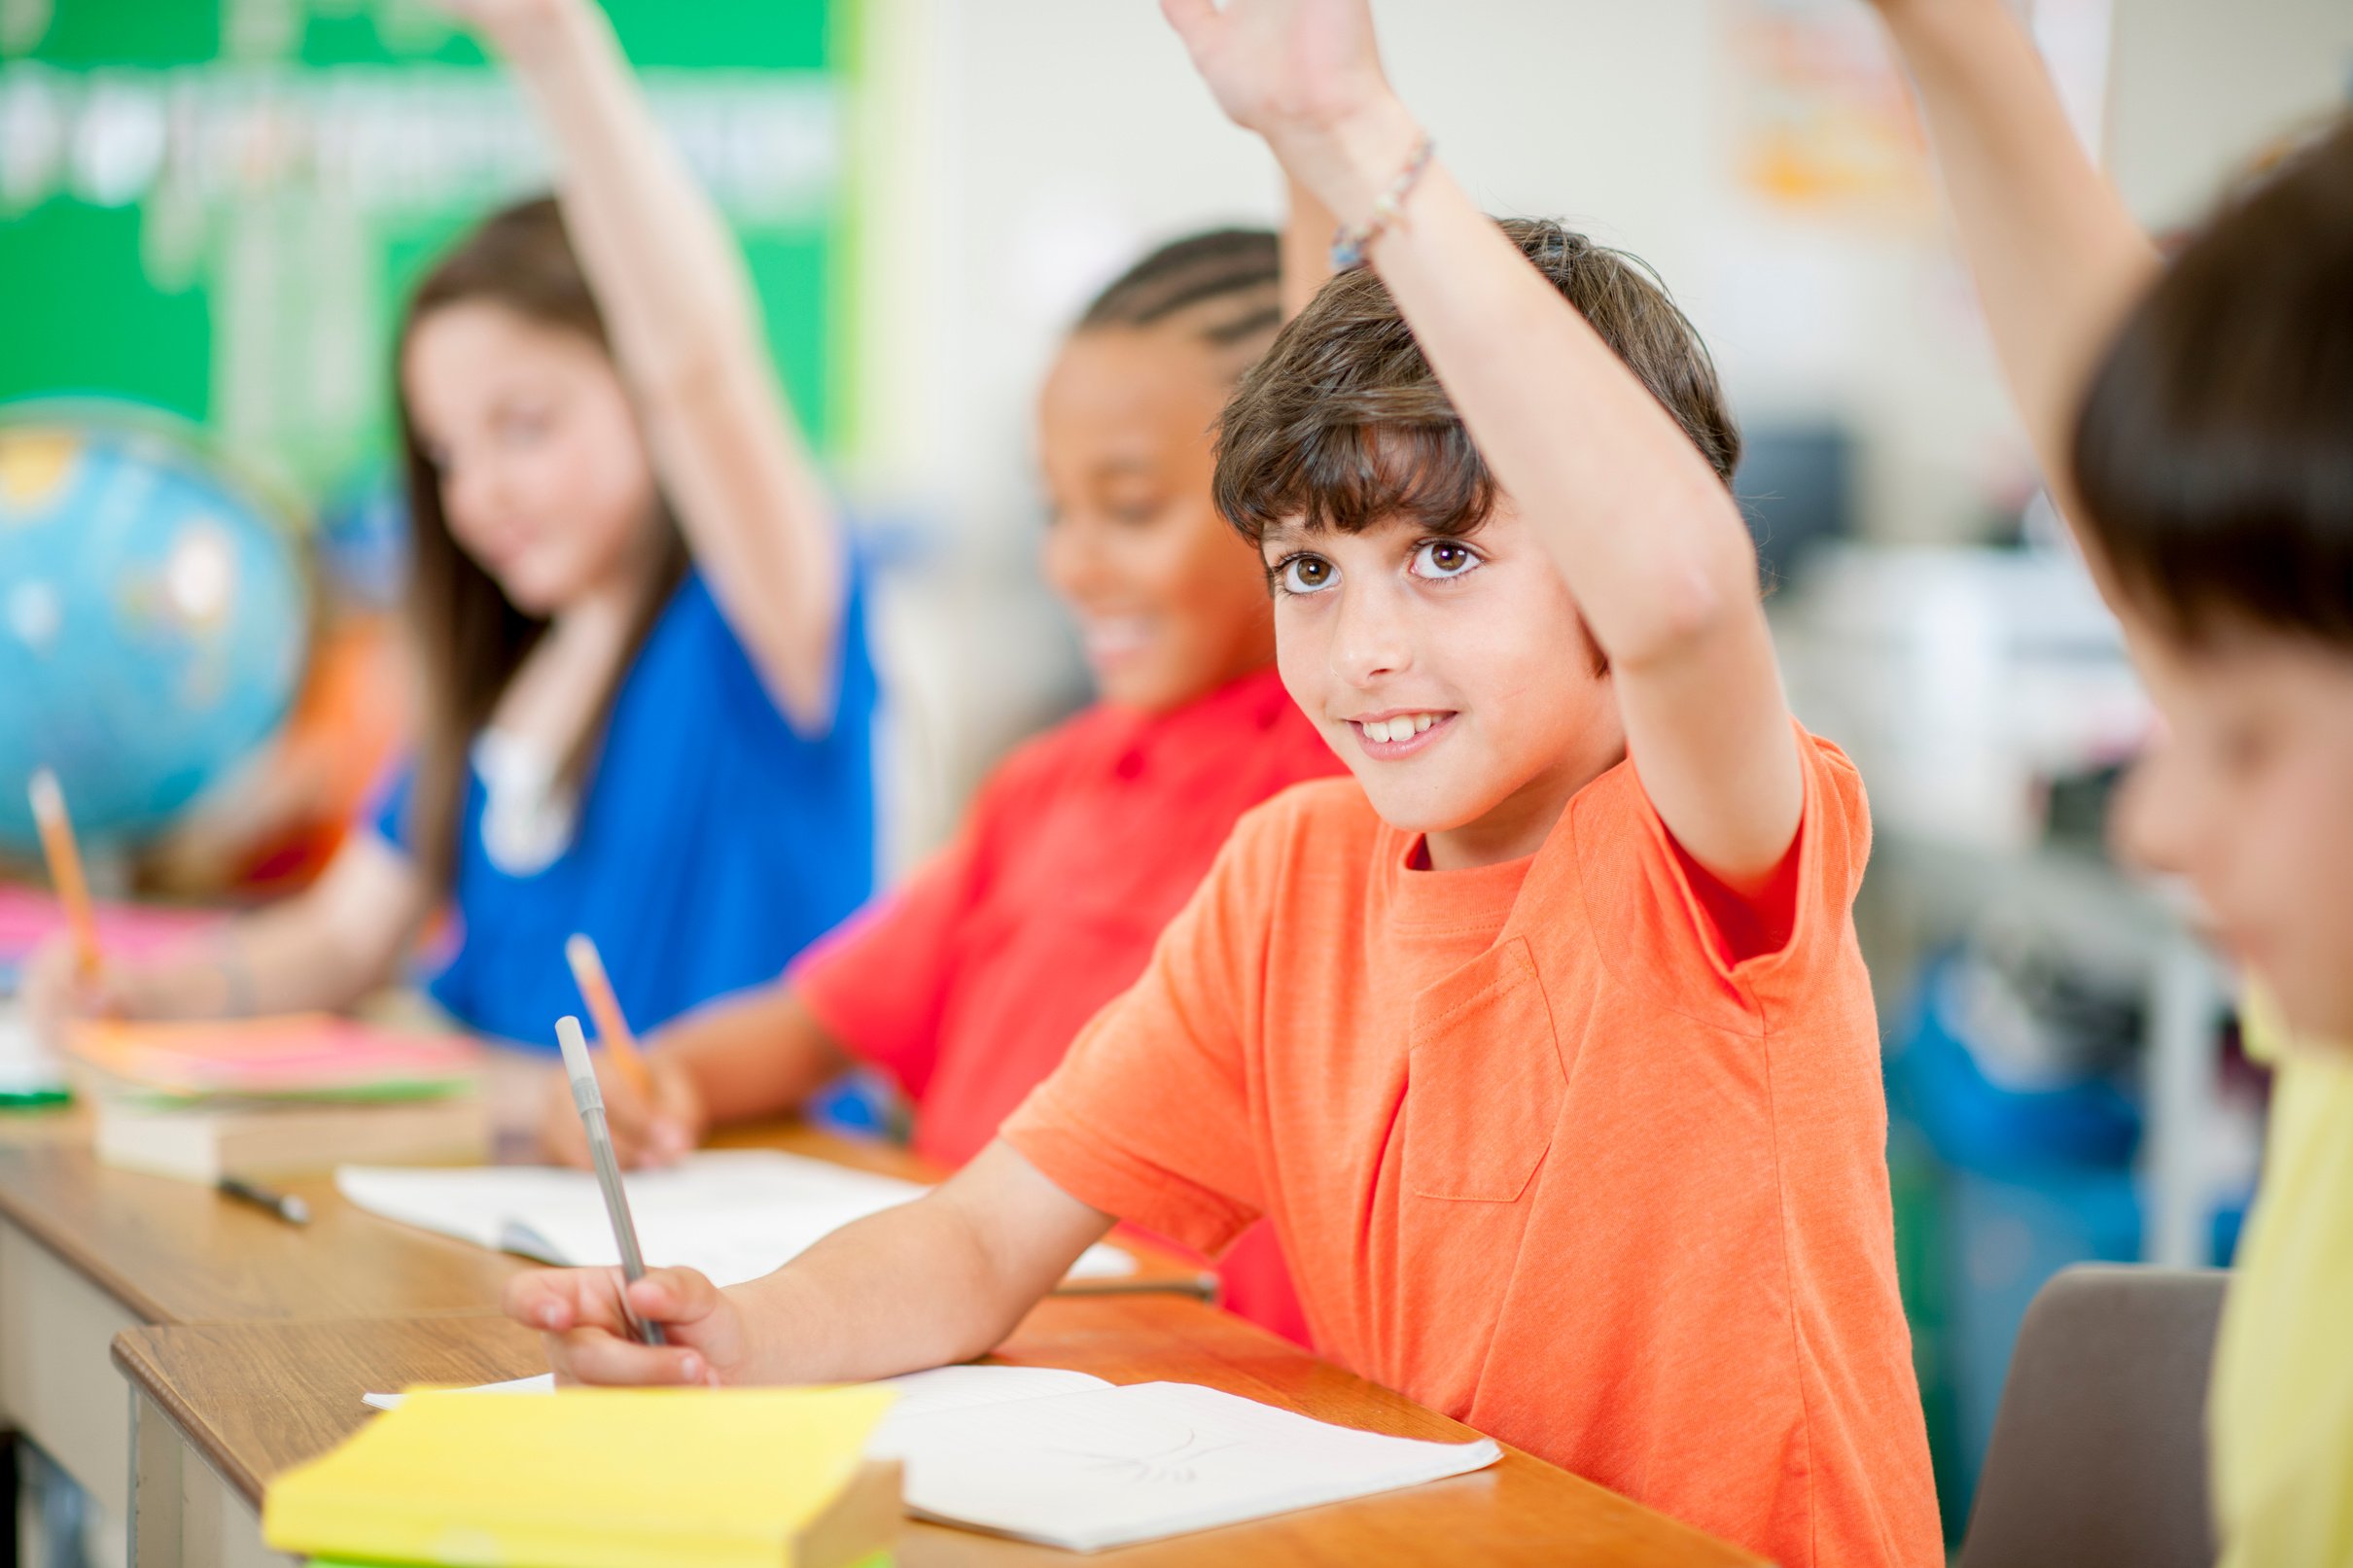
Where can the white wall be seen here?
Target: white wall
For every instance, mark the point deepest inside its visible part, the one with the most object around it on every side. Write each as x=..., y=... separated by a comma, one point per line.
x=1020, y=150
x=2201, y=85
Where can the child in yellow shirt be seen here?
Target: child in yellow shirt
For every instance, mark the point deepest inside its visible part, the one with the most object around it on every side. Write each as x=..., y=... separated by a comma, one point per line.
x=2281, y=1412
x=2196, y=424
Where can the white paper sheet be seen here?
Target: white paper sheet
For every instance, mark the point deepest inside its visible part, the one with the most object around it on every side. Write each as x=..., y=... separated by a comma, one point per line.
x=964, y=1388
x=542, y=1383
x=1111, y=1466
x=735, y=1214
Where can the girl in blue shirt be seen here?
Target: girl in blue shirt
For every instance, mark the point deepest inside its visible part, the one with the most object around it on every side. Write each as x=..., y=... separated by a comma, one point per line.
x=646, y=694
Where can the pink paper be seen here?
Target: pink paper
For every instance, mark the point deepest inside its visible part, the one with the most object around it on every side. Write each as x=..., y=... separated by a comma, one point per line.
x=29, y=916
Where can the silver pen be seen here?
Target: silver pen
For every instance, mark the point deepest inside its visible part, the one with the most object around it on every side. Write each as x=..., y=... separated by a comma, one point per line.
x=590, y=1100
x=285, y=1206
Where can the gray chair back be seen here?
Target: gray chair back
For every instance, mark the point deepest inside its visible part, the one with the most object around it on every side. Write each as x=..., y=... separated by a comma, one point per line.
x=2098, y=1453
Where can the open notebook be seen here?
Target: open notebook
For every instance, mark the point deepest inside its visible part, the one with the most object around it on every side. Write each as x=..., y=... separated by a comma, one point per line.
x=1070, y=1461
x=735, y=1214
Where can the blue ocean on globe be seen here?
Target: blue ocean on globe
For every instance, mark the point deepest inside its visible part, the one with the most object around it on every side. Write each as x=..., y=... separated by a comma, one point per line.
x=153, y=623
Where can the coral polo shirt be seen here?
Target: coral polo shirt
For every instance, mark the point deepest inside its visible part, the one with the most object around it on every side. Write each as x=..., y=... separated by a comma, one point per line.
x=1542, y=1151
x=970, y=982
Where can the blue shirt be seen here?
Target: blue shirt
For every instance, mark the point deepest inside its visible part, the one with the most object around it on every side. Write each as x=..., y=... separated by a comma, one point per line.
x=711, y=846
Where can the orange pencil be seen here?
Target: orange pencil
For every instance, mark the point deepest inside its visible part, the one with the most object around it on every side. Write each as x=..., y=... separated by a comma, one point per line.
x=66, y=870
x=611, y=1029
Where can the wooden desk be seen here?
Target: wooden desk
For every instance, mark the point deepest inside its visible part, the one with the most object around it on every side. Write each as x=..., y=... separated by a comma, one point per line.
x=87, y=1251
x=221, y=1408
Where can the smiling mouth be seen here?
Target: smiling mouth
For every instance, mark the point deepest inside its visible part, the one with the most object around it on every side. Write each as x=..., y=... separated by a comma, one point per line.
x=1110, y=639
x=1400, y=735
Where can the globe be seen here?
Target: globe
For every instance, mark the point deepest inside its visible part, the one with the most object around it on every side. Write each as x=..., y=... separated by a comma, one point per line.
x=153, y=623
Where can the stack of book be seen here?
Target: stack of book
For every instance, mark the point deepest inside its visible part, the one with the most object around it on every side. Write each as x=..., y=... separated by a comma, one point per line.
x=667, y=1478
x=264, y=1096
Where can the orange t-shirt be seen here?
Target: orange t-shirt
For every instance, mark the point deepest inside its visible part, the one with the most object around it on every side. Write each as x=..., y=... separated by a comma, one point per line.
x=1541, y=1155
x=968, y=983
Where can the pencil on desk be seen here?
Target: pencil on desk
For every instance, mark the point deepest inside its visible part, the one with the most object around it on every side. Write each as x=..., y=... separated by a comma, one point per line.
x=285, y=1206
x=65, y=869
x=611, y=1028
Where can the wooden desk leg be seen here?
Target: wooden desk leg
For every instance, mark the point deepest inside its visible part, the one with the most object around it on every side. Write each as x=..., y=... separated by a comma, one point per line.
x=183, y=1514
x=57, y=1380
x=157, y=1455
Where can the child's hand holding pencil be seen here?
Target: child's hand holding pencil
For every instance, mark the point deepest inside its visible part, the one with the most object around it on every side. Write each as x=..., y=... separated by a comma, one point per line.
x=57, y=991
x=72, y=976
x=655, y=1128
x=652, y=1108
x=581, y=1318
x=67, y=976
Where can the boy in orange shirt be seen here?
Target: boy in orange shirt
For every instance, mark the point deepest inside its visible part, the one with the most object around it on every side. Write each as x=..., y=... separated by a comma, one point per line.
x=1545, y=1045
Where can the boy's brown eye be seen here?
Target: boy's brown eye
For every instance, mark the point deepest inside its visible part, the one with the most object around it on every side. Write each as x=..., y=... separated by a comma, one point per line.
x=1302, y=573
x=1440, y=559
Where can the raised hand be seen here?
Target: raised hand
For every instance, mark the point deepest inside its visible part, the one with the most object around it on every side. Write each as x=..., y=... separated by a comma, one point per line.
x=513, y=27
x=1306, y=75
x=578, y=1314
x=2057, y=257
x=1282, y=65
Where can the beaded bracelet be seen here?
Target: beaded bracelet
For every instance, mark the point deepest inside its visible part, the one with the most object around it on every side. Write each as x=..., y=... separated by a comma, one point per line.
x=1351, y=243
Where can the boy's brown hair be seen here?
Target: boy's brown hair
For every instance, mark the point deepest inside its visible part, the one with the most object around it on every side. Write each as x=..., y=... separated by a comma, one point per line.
x=2214, y=454
x=1343, y=424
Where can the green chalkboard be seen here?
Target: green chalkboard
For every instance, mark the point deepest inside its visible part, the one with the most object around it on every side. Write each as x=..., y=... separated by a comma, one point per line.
x=215, y=206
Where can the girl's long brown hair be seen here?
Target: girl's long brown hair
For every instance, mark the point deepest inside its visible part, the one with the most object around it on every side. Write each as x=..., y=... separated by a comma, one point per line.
x=471, y=639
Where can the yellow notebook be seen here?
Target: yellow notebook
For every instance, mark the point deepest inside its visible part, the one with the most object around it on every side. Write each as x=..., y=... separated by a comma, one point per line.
x=600, y=1479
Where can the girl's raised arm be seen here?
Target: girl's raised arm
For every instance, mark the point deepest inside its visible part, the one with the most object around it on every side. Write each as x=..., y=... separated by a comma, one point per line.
x=1307, y=246
x=685, y=329
x=2057, y=259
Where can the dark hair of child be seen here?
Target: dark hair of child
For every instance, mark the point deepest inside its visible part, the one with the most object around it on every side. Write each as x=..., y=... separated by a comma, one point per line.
x=1343, y=422
x=1224, y=283
x=2214, y=454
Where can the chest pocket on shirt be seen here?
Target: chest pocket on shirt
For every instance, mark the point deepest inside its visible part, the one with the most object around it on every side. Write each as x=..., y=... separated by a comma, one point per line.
x=1483, y=1081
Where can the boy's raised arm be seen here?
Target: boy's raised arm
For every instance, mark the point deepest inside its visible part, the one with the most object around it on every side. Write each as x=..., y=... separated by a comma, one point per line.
x=2057, y=259
x=1649, y=541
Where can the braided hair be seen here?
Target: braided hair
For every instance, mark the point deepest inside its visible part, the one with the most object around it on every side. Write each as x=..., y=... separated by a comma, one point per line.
x=1225, y=284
